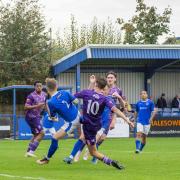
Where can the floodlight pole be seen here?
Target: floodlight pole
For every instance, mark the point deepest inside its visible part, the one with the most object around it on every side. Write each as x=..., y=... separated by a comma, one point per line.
x=14, y=113
x=78, y=78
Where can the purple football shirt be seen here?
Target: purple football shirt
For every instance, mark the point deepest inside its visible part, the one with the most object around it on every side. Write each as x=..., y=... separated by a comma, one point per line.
x=93, y=106
x=113, y=90
x=34, y=99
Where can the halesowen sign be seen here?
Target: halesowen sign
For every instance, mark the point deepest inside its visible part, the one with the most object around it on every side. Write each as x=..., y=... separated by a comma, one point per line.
x=165, y=127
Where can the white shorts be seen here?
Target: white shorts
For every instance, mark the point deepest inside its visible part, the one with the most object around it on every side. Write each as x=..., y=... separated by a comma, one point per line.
x=51, y=130
x=69, y=127
x=143, y=128
x=101, y=132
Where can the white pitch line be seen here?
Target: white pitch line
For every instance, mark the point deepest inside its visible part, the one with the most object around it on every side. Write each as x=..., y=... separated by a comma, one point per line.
x=144, y=152
x=22, y=177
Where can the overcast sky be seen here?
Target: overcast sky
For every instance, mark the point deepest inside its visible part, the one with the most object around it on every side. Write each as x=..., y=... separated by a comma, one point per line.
x=58, y=12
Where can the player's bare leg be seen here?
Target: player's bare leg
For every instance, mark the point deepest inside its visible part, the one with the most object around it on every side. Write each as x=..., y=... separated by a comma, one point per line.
x=99, y=138
x=93, y=151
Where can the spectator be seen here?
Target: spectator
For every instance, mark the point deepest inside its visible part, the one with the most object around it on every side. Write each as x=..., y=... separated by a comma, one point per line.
x=161, y=102
x=176, y=102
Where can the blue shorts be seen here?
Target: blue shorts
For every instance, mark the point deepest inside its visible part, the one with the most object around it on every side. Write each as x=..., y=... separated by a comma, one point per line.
x=46, y=122
x=106, y=120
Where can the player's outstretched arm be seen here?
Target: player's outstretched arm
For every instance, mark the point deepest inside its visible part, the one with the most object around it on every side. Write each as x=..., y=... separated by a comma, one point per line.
x=113, y=122
x=121, y=101
x=92, y=81
x=118, y=112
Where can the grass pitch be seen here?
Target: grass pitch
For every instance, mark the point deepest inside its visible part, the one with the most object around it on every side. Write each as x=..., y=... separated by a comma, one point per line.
x=160, y=160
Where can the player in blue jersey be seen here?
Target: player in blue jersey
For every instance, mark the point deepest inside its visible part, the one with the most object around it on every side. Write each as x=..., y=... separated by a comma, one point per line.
x=94, y=103
x=47, y=121
x=61, y=103
x=144, y=114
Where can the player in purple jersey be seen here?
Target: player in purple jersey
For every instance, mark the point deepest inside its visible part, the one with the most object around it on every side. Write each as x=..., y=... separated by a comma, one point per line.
x=34, y=105
x=111, y=78
x=115, y=93
x=94, y=103
x=108, y=119
x=112, y=92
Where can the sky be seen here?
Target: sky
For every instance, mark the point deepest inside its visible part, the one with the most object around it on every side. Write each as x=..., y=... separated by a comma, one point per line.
x=58, y=12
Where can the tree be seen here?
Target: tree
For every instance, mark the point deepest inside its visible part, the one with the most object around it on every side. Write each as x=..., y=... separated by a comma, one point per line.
x=75, y=36
x=172, y=40
x=24, y=43
x=146, y=25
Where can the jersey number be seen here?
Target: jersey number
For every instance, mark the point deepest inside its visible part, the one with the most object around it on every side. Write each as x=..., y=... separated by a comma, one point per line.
x=64, y=102
x=93, y=107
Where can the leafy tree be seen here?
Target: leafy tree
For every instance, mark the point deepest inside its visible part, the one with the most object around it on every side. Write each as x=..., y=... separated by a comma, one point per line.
x=24, y=43
x=170, y=40
x=146, y=25
x=75, y=36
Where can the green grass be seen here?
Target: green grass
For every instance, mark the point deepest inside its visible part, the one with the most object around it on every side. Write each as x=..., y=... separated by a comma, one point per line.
x=159, y=161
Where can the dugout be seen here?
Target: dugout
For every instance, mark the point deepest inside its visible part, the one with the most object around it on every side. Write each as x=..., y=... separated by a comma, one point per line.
x=155, y=68
x=12, y=120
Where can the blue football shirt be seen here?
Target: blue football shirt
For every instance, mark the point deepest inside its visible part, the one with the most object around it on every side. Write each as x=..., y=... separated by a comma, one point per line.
x=61, y=103
x=144, y=110
x=107, y=115
x=46, y=122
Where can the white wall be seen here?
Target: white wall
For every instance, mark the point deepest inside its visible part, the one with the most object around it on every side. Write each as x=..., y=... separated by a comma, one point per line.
x=130, y=83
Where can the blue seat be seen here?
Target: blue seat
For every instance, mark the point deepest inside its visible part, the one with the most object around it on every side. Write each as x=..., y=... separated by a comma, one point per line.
x=175, y=114
x=159, y=112
x=175, y=110
x=160, y=109
x=166, y=112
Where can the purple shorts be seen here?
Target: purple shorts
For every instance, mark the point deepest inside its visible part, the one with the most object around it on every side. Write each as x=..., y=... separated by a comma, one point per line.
x=90, y=134
x=35, y=125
